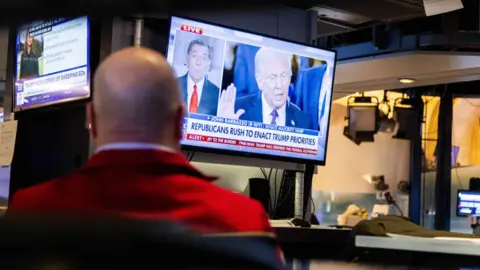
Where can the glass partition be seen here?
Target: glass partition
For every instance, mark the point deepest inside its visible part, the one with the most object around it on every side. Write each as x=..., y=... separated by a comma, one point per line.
x=465, y=155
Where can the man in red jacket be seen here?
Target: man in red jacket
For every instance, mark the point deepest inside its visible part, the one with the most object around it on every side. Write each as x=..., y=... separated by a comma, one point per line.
x=138, y=171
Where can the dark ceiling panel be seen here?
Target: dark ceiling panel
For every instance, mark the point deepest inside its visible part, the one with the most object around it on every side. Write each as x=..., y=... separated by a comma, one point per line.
x=328, y=29
x=379, y=10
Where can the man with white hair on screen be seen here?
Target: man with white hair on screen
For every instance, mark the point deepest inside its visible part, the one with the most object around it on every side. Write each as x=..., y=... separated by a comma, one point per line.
x=273, y=73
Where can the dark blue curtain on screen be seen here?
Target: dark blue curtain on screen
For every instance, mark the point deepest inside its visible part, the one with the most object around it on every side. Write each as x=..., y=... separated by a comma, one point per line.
x=307, y=93
x=244, y=70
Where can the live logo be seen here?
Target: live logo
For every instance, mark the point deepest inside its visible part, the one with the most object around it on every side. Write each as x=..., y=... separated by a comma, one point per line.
x=191, y=29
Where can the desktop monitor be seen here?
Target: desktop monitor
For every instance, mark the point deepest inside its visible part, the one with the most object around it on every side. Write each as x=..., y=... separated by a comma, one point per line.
x=468, y=203
x=52, y=62
x=250, y=94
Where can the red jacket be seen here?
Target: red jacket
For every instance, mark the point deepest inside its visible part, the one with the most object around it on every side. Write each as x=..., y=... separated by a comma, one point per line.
x=146, y=184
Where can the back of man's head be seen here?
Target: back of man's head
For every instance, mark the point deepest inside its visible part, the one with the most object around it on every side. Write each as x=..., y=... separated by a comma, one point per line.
x=136, y=98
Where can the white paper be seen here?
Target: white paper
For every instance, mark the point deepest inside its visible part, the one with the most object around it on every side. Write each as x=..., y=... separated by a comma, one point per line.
x=8, y=134
x=380, y=209
x=435, y=7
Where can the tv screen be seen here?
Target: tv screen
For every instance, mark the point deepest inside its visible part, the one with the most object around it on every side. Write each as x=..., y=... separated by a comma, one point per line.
x=251, y=94
x=52, y=62
x=468, y=203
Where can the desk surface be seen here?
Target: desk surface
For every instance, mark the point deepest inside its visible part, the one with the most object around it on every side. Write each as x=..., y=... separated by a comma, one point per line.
x=419, y=244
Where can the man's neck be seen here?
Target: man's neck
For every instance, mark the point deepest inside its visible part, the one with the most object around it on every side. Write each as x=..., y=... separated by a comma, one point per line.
x=196, y=81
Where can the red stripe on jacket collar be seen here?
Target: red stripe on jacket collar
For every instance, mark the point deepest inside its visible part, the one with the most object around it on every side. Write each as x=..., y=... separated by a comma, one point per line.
x=169, y=161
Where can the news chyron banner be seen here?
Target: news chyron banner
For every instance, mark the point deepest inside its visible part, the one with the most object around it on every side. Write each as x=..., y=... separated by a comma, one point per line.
x=252, y=135
x=52, y=61
x=249, y=93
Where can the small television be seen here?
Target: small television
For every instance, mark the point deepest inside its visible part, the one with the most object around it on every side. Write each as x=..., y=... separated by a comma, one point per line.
x=52, y=62
x=251, y=94
x=468, y=203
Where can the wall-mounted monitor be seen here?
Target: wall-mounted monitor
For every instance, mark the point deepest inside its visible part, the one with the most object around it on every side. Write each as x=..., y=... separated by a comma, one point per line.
x=52, y=62
x=468, y=203
x=251, y=94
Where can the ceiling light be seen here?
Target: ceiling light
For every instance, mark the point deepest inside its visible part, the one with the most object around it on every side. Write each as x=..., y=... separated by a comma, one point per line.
x=404, y=80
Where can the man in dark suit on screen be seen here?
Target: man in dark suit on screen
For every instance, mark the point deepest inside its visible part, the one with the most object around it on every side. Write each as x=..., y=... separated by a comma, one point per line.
x=199, y=94
x=273, y=73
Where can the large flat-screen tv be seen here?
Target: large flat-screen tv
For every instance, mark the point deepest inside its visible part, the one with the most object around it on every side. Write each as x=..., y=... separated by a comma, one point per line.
x=52, y=62
x=250, y=94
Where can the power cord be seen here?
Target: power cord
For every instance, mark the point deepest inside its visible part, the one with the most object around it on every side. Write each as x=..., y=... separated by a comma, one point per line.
x=270, y=203
x=282, y=200
x=264, y=173
x=391, y=201
x=275, y=199
x=190, y=156
x=313, y=204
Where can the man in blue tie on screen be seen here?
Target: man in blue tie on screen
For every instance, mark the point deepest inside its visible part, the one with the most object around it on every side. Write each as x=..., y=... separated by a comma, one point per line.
x=273, y=73
x=199, y=94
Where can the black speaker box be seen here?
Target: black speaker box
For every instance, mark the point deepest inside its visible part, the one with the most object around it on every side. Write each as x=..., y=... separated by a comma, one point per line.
x=259, y=189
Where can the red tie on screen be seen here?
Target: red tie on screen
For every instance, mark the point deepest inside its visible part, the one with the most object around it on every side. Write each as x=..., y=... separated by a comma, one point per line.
x=194, y=100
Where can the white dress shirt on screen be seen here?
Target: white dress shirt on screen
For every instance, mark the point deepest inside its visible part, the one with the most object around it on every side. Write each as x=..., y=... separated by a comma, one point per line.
x=267, y=113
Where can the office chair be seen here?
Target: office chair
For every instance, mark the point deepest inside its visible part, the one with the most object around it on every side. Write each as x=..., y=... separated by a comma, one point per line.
x=44, y=242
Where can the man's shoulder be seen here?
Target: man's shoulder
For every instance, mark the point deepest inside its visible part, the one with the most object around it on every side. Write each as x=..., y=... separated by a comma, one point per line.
x=299, y=115
x=296, y=110
x=37, y=195
x=235, y=211
x=248, y=99
x=183, y=77
x=239, y=212
x=211, y=86
x=220, y=193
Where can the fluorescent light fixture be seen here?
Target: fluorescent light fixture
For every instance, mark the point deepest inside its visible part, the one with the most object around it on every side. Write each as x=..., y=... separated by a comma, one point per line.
x=406, y=81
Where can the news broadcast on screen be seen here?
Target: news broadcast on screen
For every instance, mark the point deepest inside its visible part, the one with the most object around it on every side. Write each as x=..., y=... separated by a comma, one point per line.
x=250, y=93
x=52, y=62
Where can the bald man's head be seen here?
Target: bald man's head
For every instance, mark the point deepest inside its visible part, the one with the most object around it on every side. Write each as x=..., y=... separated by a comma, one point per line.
x=136, y=98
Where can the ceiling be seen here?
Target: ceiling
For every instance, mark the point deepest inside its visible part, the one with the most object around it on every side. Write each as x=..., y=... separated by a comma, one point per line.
x=335, y=16
x=426, y=68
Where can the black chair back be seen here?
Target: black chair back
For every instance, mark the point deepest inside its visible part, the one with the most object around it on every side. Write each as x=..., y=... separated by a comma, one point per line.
x=36, y=242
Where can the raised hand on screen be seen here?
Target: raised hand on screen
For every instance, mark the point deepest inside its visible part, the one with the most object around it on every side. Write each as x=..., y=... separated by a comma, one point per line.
x=226, y=105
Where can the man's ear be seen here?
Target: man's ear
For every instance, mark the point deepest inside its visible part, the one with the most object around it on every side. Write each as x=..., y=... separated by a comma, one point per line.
x=92, y=121
x=179, y=120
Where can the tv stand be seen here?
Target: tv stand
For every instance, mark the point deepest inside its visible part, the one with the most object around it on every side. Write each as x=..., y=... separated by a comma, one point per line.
x=303, y=189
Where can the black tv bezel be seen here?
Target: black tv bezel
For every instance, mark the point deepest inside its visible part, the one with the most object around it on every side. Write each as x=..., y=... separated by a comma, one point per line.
x=257, y=155
x=60, y=102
